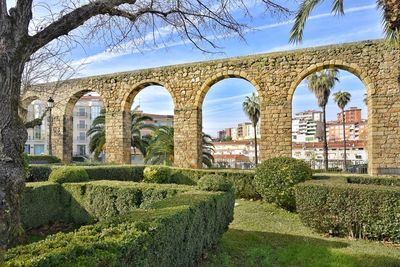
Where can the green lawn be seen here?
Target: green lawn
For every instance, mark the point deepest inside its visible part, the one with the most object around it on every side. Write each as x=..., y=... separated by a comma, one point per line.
x=263, y=235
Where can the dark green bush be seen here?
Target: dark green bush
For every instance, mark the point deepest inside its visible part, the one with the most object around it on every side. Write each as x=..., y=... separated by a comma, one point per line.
x=157, y=174
x=243, y=180
x=174, y=232
x=120, y=172
x=68, y=174
x=43, y=159
x=276, y=177
x=215, y=182
x=38, y=173
x=374, y=180
x=41, y=204
x=103, y=199
x=360, y=211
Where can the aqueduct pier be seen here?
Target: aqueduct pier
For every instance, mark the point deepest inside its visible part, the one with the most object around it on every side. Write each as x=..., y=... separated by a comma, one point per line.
x=275, y=77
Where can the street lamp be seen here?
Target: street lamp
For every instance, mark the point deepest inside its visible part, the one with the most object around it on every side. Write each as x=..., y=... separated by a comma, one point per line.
x=50, y=105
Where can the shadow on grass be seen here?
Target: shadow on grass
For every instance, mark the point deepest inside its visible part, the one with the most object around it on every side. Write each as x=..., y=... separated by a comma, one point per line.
x=251, y=248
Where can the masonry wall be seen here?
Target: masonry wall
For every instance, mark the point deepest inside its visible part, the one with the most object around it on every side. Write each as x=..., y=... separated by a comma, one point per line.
x=274, y=75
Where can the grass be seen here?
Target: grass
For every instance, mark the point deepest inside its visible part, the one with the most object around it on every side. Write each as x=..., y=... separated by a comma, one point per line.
x=264, y=235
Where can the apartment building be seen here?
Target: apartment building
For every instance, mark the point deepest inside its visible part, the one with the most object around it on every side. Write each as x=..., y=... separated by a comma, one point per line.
x=307, y=126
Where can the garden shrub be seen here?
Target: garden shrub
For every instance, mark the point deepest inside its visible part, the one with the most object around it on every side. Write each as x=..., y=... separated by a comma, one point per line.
x=157, y=174
x=68, y=174
x=384, y=180
x=243, y=180
x=43, y=159
x=174, y=232
x=38, y=173
x=103, y=199
x=119, y=172
x=215, y=182
x=41, y=204
x=276, y=177
x=357, y=210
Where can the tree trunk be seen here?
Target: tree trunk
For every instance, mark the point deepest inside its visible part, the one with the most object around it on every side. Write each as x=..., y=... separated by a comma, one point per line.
x=12, y=138
x=325, y=139
x=344, y=141
x=255, y=144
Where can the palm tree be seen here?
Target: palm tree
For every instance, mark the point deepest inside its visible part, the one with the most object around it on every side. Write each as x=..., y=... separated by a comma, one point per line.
x=251, y=106
x=97, y=132
x=138, y=123
x=321, y=84
x=391, y=17
x=208, y=150
x=342, y=99
x=365, y=99
x=161, y=148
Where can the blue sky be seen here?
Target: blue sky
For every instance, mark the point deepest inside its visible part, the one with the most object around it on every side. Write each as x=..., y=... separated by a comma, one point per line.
x=222, y=105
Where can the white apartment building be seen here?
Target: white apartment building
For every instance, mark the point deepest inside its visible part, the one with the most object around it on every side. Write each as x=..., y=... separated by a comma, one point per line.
x=85, y=111
x=307, y=126
x=36, y=143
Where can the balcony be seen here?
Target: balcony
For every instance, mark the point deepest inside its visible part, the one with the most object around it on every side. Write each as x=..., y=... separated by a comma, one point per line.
x=82, y=126
x=82, y=114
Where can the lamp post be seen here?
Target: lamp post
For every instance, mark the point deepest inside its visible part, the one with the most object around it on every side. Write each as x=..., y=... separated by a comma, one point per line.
x=50, y=105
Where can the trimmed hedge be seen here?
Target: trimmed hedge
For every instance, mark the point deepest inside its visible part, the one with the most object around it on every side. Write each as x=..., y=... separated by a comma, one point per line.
x=103, y=199
x=215, y=182
x=174, y=232
x=41, y=204
x=43, y=159
x=276, y=177
x=357, y=210
x=132, y=173
x=389, y=181
x=38, y=173
x=82, y=203
x=68, y=174
x=157, y=174
x=243, y=180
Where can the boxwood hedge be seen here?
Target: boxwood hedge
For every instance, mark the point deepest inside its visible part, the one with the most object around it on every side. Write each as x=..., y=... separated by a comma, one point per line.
x=243, y=180
x=347, y=209
x=174, y=231
x=43, y=159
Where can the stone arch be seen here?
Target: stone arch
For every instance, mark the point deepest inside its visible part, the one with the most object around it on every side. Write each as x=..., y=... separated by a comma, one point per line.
x=136, y=88
x=74, y=98
x=63, y=123
x=26, y=101
x=339, y=64
x=200, y=95
x=354, y=69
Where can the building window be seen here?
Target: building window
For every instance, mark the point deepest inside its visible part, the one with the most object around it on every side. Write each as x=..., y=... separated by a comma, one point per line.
x=82, y=112
x=38, y=149
x=81, y=124
x=81, y=150
x=37, y=133
x=27, y=149
x=82, y=136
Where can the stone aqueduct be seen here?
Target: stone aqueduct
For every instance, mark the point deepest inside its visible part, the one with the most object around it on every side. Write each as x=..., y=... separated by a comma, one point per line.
x=274, y=75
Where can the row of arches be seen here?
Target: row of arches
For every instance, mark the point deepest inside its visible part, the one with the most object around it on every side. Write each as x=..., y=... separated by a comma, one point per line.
x=239, y=80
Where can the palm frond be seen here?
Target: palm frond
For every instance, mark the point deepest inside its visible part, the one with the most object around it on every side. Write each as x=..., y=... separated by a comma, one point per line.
x=305, y=9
